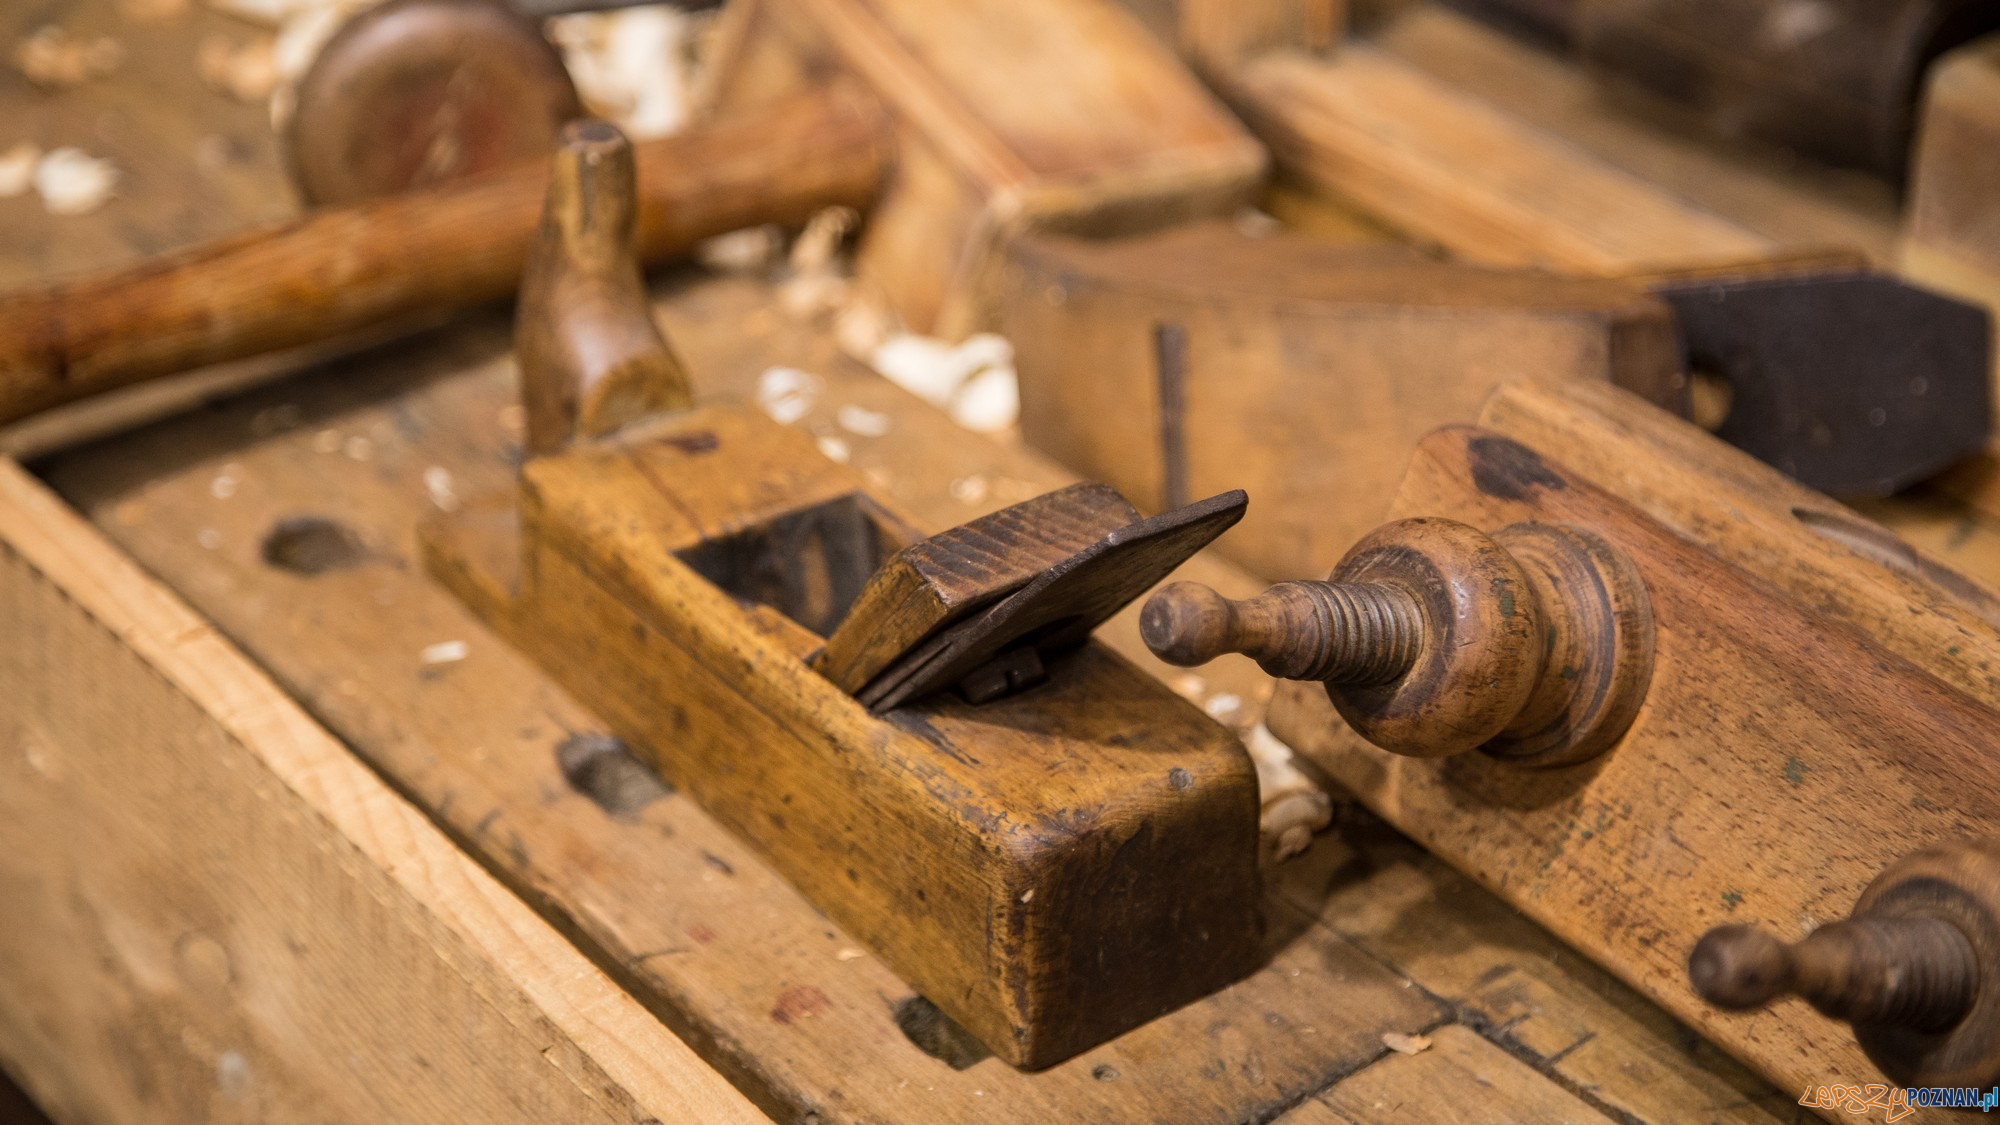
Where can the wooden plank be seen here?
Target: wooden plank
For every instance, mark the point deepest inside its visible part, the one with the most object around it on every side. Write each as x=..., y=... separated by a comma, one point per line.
x=692, y=920
x=216, y=913
x=1519, y=985
x=1446, y=167
x=1460, y=1079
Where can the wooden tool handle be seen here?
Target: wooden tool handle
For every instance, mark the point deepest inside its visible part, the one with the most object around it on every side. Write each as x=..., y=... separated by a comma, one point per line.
x=1911, y=969
x=591, y=358
x=1330, y=631
x=436, y=250
x=1533, y=644
x=1918, y=973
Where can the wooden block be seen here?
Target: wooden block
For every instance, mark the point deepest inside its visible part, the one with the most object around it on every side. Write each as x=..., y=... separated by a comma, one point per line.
x=214, y=912
x=1180, y=364
x=692, y=918
x=1122, y=138
x=1761, y=716
x=1071, y=861
x=1459, y=136
x=1439, y=1082
x=1951, y=233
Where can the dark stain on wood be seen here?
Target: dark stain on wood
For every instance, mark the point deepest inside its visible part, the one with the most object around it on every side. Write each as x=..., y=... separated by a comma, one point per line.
x=937, y=1034
x=1508, y=470
x=604, y=769
x=312, y=545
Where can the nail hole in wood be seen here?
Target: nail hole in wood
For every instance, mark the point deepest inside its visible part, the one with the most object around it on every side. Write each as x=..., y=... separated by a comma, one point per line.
x=312, y=545
x=937, y=1034
x=601, y=768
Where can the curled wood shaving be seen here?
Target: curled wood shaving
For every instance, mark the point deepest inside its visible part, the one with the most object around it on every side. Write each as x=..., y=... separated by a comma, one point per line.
x=634, y=66
x=246, y=71
x=72, y=182
x=1292, y=806
x=53, y=58
x=1406, y=1044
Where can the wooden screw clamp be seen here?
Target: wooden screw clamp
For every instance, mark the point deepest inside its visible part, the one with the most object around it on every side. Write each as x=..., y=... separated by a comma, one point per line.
x=1533, y=644
x=1913, y=969
x=1042, y=839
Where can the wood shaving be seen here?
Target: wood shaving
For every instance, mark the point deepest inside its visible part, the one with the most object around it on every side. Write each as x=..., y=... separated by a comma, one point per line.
x=54, y=59
x=634, y=66
x=270, y=13
x=834, y=449
x=746, y=251
x=817, y=249
x=863, y=422
x=72, y=182
x=246, y=71
x=17, y=169
x=788, y=394
x=1292, y=807
x=989, y=402
x=1406, y=1044
x=445, y=652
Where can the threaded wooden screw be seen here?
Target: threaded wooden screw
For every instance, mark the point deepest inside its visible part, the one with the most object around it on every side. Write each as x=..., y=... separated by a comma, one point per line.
x=1909, y=972
x=1336, y=632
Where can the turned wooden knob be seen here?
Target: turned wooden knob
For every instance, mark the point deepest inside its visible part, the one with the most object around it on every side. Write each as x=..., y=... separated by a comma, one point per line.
x=1911, y=968
x=592, y=360
x=1533, y=644
x=419, y=92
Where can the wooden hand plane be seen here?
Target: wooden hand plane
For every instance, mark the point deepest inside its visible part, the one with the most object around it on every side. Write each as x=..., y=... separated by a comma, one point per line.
x=1043, y=839
x=1642, y=686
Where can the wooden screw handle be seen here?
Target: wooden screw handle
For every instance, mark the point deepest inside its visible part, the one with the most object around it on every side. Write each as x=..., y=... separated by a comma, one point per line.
x=1330, y=631
x=1432, y=639
x=432, y=251
x=1917, y=973
x=1910, y=970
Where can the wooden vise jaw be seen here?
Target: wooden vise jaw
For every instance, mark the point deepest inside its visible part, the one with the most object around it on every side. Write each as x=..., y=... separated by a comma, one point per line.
x=1642, y=686
x=1044, y=840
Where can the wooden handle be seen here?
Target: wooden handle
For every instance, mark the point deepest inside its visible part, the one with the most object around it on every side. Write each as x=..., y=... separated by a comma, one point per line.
x=1329, y=631
x=1910, y=969
x=1918, y=973
x=440, y=249
x=1533, y=644
x=592, y=360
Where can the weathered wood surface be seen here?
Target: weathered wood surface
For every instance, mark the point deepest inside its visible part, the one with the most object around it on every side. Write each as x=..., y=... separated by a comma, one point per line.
x=1762, y=718
x=214, y=912
x=474, y=740
x=1180, y=364
x=1011, y=115
x=1458, y=136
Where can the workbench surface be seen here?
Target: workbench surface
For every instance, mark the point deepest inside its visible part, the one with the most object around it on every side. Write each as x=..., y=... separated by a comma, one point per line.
x=1397, y=989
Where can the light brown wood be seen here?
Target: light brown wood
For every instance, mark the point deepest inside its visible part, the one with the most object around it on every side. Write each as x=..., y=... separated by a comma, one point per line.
x=694, y=921
x=584, y=333
x=1180, y=364
x=1070, y=861
x=215, y=912
x=1822, y=554
x=1458, y=1079
x=935, y=582
x=441, y=249
x=1910, y=968
x=1761, y=719
x=1119, y=138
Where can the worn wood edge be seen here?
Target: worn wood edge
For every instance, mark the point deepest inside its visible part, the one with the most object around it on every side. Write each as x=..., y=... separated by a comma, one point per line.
x=506, y=955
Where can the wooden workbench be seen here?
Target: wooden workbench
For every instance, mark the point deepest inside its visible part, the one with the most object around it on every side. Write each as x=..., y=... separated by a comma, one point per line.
x=261, y=861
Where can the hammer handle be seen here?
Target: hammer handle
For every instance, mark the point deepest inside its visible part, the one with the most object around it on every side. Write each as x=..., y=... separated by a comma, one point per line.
x=434, y=250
